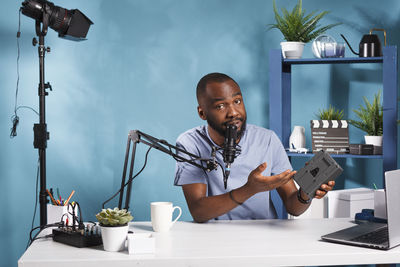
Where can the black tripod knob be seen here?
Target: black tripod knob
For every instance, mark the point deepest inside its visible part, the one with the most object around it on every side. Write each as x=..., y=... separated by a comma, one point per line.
x=34, y=41
x=48, y=86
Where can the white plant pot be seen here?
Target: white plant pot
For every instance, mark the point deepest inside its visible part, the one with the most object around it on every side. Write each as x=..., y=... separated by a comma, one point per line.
x=292, y=50
x=376, y=141
x=373, y=140
x=114, y=237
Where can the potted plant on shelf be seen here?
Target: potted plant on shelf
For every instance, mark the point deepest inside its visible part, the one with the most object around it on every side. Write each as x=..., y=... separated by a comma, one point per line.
x=298, y=28
x=330, y=132
x=114, y=228
x=371, y=122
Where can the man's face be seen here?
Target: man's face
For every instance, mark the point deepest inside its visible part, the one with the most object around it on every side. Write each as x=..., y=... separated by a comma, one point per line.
x=222, y=104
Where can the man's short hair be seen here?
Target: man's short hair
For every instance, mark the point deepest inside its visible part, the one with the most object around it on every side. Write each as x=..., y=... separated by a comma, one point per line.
x=210, y=78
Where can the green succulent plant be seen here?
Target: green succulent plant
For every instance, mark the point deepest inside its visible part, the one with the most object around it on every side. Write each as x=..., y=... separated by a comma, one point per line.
x=114, y=217
x=296, y=26
x=330, y=113
x=371, y=116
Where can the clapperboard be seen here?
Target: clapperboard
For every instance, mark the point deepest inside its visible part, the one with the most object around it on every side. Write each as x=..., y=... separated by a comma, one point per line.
x=331, y=136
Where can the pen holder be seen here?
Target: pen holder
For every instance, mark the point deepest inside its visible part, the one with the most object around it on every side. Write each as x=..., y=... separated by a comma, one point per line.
x=55, y=214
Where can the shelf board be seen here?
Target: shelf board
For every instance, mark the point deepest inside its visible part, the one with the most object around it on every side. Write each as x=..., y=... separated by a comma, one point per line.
x=291, y=154
x=342, y=60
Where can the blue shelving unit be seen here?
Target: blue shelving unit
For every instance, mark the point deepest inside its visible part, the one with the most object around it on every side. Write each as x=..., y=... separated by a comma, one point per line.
x=290, y=154
x=342, y=60
x=280, y=99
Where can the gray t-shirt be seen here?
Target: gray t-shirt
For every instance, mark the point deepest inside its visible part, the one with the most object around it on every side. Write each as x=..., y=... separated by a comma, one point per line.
x=257, y=145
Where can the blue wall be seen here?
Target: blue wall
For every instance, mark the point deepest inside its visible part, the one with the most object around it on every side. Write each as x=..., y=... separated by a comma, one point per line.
x=138, y=70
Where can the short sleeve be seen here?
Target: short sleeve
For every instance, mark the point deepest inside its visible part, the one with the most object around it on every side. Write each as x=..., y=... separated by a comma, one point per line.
x=281, y=160
x=186, y=173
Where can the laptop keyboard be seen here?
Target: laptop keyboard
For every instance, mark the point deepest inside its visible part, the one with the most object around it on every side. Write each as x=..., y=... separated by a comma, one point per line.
x=376, y=237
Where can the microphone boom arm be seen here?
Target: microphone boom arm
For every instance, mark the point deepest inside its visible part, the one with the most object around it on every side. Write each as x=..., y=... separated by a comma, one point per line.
x=135, y=137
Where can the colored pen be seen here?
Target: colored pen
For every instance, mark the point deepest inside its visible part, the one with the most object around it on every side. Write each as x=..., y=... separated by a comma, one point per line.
x=51, y=196
x=376, y=188
x=66, y=202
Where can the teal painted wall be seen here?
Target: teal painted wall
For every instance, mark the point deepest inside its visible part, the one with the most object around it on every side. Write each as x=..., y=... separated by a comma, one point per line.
x=138, y=70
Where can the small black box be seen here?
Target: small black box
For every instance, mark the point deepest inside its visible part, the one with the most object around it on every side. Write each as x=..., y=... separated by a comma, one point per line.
x=361, y=149
x=76, y=238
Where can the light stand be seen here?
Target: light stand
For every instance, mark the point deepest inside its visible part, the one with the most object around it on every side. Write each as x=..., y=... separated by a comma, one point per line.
x=40, y=129
x=135, y=137
x=72, y=25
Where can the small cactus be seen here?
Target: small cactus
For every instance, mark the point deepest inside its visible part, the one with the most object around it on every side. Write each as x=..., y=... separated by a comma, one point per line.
x=114, y=217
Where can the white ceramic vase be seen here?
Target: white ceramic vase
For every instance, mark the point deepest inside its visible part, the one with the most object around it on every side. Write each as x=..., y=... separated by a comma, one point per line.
x=298, y=138
x=292, y=50
x=114, y=237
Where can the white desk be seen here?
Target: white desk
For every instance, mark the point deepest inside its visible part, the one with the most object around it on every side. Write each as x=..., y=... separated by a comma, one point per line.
x=221, y=243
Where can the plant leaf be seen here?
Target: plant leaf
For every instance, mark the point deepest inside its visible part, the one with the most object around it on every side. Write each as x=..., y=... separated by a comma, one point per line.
x=371, y=116
x=298, y=26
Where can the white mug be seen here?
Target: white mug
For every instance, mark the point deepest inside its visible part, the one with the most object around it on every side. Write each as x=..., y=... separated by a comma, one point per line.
x=161, y=215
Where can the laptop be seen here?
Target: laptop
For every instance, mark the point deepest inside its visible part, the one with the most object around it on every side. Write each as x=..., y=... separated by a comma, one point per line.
x=371, y=234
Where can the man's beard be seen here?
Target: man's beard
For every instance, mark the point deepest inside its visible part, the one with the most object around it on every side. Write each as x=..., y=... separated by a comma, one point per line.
x=221, y=129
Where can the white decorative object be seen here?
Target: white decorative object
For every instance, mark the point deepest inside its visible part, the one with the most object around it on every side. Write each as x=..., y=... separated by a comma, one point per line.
x=297, y=138
x=292, y=50
x=346, y=203
x=161, y=216
x=298, y=150
x=141, y=243
x=319, y=42
x=114, y=237
x=325, y=46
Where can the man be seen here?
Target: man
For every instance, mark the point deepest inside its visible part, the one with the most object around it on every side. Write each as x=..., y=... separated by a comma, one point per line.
x=261, y=166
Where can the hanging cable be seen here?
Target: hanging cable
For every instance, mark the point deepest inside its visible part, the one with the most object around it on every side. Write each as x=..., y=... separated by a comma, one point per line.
x=36, y=199
x=130, y=179
x=15, y=118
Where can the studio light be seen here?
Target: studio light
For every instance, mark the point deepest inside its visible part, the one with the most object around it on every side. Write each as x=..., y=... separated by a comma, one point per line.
x=70, y=24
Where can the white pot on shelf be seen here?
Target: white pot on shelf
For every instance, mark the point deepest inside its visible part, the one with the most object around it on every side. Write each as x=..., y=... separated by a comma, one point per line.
x=292, y=50
x=373, y=140
x=376, y=141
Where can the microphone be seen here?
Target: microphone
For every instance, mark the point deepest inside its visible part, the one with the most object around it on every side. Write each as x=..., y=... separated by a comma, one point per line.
x=229, y=152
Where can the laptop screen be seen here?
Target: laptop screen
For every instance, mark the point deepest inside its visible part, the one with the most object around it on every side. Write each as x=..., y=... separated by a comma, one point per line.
x=392, y=188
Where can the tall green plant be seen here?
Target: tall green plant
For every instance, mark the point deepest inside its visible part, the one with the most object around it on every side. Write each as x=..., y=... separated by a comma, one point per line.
x=297, y=26
x=371, y=116
x=330, y=113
